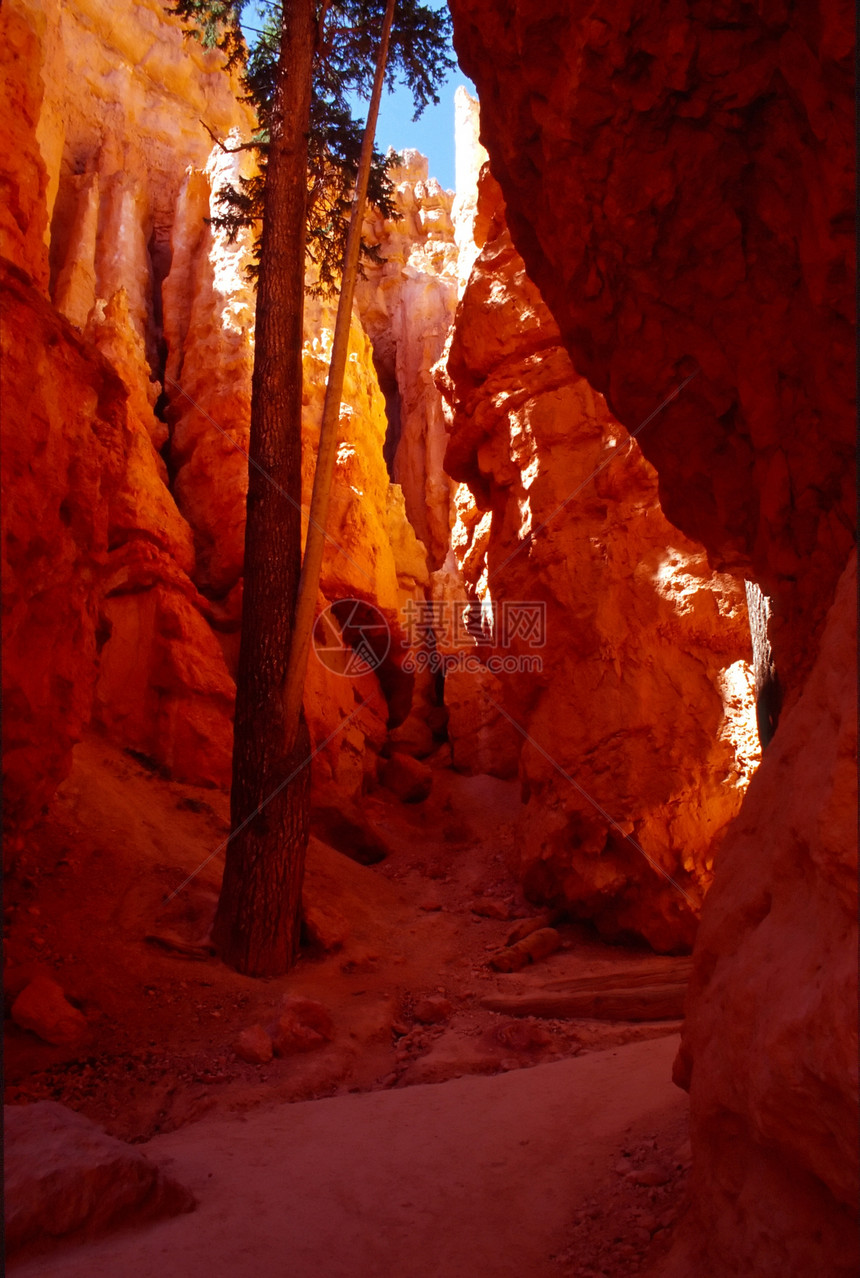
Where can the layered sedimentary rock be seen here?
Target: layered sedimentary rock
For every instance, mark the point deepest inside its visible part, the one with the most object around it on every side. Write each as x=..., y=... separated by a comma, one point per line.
x=679, y=183
x=23, y=177
x=110, y=186
x=407, y=308
x=372, y=553
x=611, y=636
x=127, y=99
x=111, y=114
x=65, y=442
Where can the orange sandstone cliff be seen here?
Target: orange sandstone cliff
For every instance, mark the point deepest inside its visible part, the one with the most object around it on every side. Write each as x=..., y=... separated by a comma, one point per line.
x=678, y=179
x=637, y=722
x=109, y=185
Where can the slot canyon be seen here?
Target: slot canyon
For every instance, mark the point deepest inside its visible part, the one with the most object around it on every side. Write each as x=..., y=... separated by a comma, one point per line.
x=577, y=987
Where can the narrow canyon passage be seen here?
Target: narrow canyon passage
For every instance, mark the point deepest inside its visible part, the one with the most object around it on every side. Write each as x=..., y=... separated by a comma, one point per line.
x=563, y=1143
x=576, y=991
x=416, y=1181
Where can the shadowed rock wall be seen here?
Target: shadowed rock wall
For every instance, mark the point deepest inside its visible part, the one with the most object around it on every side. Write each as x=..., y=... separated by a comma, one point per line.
x=679, y=182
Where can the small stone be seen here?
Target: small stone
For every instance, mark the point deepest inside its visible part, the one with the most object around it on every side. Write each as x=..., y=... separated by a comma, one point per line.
x=522, y=1036
x=254, y=1046
x=43, y=1008
x=433, y=1010
x=302, y=1026
x=323, y=926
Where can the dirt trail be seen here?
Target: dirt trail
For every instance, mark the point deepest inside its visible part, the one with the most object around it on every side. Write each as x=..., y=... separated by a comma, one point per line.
x=476, y=1178
x=91, y=886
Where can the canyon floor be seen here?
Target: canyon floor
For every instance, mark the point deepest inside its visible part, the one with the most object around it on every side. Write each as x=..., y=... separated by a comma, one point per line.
x=480, y=1144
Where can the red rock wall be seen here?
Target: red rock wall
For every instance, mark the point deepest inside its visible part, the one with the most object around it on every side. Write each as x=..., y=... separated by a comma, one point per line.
x=100, y=618
x=631, y=697
x=407, y=307
x=110, y=181
x=64, y=443
x=679, y=181
x=770, y=1048
x=23, y=179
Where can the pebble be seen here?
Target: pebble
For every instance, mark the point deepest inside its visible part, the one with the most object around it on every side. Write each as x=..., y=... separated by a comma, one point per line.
x=254, y=1046
x=42, y=1008
x=433, y=1010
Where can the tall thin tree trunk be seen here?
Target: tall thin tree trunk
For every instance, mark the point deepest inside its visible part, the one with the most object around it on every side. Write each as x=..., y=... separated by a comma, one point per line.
x=258, y=918
x=330, y=426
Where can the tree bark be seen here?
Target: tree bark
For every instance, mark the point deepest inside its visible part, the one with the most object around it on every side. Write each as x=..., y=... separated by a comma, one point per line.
x=330, y=425
x=257, y=922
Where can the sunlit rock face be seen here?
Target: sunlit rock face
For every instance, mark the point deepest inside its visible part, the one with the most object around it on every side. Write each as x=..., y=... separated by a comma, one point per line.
x=23, y=176
x=111, y=117
x=126, y=102
x=407, y=308
x=110, y=184
x=622, y=694
x=471, y=157
x=679, y=183
x=372, y=553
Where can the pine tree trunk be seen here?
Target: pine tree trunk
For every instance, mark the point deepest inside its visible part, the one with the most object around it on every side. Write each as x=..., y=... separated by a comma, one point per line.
x=330, y=424
x=258, y=918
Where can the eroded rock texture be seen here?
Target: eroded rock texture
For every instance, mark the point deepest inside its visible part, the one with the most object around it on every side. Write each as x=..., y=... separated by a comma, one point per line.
x=770, y=1050
x=407, y=308
x=679, y=181
x=64, y=446
x=627, y=716
x=108, y=149
x=110, y=182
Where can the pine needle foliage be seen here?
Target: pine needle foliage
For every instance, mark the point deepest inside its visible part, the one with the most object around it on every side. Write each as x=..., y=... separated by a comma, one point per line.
x=420, y=57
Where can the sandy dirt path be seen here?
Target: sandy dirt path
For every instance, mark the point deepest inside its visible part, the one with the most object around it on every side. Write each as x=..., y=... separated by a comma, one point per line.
x=472, y=1178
